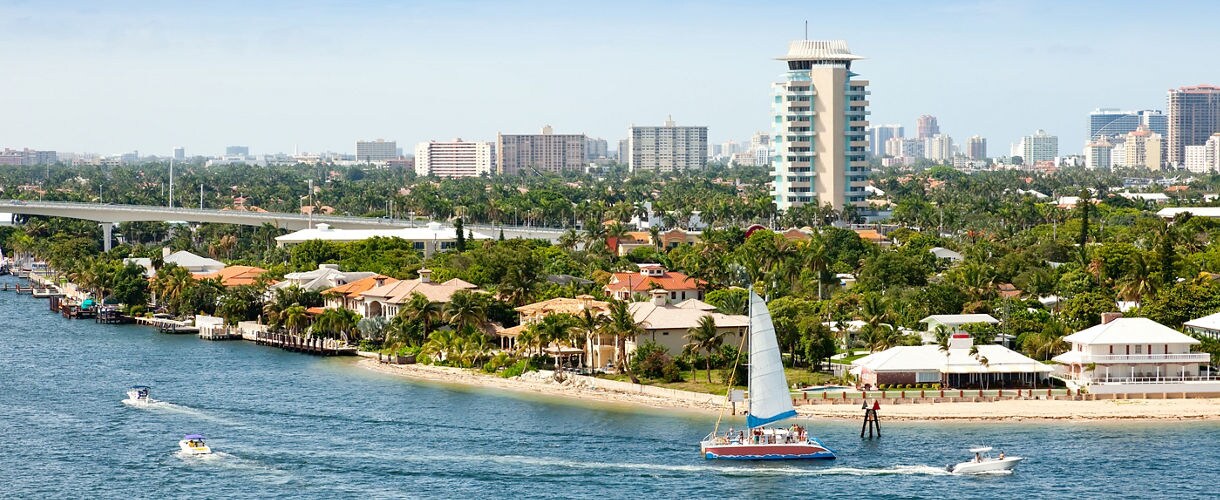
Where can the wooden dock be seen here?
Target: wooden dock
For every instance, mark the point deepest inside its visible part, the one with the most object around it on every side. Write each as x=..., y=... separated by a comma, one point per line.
x=219, y=334
x=110, y=315
x=295, y=343
x=170, y=326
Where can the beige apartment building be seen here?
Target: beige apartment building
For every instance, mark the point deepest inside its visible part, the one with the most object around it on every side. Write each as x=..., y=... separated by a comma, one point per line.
x=667, y=148
x=540, y=153
x=1143, y=148
x=818, y=128
x=457, y=158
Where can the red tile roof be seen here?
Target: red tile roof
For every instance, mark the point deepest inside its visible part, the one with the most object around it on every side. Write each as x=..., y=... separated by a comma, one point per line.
x=670, y=280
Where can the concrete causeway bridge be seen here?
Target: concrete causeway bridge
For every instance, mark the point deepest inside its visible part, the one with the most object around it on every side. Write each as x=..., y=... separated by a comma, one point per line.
x=109, y=214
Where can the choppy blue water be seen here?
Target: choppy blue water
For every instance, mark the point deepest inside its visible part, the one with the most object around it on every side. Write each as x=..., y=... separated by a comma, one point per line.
x=289, y=425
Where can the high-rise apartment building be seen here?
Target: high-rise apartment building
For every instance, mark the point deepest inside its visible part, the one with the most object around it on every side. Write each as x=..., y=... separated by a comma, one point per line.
x=455, y=158
x=596, y=148
x=540, y=153
x=878, y=135
x=1097, y=154
x=819, y=142
x=237, y=151
x=1144, y=149
x=938, y=148
x=1040, y=146
x=926, y=127
x=378, y=151
x=179, y=153
x=1205, y=158
x=1194, y=115
x=976, y=148
x=667, y=148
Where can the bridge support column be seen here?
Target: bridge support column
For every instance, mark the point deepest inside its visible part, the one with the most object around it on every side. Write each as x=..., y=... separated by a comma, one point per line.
x=107, y=235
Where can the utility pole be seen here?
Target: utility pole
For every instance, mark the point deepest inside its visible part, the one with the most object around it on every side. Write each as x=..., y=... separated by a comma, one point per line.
x=311, y=203
x=201, y=196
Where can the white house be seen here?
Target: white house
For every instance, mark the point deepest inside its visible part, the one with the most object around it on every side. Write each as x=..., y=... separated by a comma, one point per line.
x=191, y=262
x=1135, y=355
x=1208, y=325
x=993, y=366
x=429, y=239
x=326, y=276
x=946, y=254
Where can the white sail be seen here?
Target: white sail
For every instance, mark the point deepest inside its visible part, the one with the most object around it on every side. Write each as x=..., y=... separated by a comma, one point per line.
x=769, y=397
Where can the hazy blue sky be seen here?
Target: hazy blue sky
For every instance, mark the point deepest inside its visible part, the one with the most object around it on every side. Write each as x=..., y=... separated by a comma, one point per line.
x=114, y=76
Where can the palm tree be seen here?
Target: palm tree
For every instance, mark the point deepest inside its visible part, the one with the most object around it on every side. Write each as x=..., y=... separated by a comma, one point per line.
x=622, y=325
x=466, y=310
x=341, y=323
x=554, y=328
x=591, y=323
x=295, y=318
x=705, y=337
x=442, y=344
x=420, y=310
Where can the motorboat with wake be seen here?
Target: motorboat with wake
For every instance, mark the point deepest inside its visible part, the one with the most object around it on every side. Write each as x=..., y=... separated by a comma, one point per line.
x=984, y=462
x=139, y=395
x=769, y=402
x=192, y=444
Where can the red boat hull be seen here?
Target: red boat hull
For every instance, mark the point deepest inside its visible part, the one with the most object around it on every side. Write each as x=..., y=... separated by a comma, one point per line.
x=787, y=451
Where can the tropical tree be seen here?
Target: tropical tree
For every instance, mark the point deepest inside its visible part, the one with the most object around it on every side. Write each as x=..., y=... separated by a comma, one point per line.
x=337, y=323
x=466, y=310
x=295, y=319
x=422, y=311
x=623, y=326
x=705, y=337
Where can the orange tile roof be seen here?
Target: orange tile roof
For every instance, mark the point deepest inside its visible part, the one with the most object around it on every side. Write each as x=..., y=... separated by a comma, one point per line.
x=235, y=275
x=673, y=281
x=315, y=311
x=359, y=286
x=870, y=235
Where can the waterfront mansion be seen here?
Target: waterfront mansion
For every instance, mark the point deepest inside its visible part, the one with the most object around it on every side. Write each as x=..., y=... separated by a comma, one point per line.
x=1134, y=355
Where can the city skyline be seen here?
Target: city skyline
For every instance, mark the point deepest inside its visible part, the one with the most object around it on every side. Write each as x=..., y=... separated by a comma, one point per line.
x=318, y=77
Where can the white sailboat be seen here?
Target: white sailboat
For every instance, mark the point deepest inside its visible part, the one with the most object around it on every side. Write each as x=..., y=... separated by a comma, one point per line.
x=769, y=402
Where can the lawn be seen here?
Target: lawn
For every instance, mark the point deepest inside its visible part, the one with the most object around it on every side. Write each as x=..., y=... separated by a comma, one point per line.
x=801, y=377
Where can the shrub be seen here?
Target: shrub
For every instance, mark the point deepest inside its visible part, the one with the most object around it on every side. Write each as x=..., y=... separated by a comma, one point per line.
x=880, y=387
x=516, y=369
x=653, y=361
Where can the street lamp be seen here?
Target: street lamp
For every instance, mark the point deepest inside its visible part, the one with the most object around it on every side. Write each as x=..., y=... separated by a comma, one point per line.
x=310, y=203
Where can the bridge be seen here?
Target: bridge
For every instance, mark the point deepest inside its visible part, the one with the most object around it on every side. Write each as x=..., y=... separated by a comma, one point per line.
x=109, y=214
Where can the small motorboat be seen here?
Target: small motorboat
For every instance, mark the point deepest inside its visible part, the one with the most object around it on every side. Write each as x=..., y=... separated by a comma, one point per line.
x=984, y=462
x=139, y=394
x=192, y=444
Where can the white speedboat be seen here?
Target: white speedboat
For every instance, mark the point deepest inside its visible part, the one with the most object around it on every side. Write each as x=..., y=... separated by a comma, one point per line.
x=192, y=444
x=139, y=394
x=984, y=462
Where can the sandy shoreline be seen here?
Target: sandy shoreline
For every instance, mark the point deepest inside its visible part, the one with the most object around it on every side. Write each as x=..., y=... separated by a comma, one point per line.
x=998, y=411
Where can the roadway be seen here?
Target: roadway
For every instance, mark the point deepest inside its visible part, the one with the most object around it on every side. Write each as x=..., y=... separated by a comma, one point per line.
x=109, y=214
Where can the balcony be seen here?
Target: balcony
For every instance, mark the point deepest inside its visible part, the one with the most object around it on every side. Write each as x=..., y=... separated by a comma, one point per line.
x=1193, y=357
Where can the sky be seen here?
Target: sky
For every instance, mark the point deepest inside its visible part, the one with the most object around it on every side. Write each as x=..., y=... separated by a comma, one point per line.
x=283, y=76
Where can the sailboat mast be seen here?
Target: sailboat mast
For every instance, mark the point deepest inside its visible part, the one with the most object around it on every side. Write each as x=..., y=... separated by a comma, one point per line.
x=749, y=362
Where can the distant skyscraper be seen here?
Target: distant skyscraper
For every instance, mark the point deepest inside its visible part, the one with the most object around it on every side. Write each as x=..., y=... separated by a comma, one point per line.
x=237, y=151
x=976, y=148
x=1144, y=149
x=1097, y=154
x=179, y=153
x=926, y=127
x=938, y=148
x=818, y=157
x=378, y=151
x=1194, y=115
x=623, y=152
x=455, y=158
x=1039, y=147
x=878, y=135
x=1205, y=158
x=541, y=153
x=595, y=148
x=667, y=148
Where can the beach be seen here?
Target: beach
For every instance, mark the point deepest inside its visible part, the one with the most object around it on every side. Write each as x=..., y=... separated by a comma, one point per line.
x=618, y=393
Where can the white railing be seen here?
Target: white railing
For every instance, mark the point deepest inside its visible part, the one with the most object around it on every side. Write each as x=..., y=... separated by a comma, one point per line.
x=1193, y=357
x=1155, y=380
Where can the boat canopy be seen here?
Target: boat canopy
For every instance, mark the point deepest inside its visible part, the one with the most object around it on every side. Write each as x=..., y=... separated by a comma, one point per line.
x=980, y=449
x=770, y=400
x=192, y=436
x=138, y=387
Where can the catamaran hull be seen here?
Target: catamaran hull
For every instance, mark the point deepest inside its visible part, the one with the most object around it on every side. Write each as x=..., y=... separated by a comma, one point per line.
x=767, y=452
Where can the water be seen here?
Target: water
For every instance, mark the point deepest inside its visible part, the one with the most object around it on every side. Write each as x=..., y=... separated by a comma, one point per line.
x=289, y=425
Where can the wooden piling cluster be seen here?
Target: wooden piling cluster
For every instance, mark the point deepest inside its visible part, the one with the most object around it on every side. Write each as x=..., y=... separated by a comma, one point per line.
x=296, y=343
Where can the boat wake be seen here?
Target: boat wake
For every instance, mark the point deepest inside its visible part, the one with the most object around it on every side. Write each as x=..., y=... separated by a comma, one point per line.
x=157, y=405
x=726, y=470
x=224, y=460
x=744, y=469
